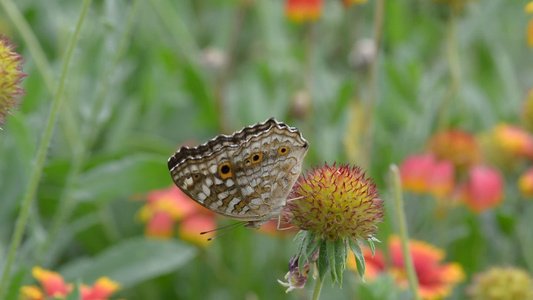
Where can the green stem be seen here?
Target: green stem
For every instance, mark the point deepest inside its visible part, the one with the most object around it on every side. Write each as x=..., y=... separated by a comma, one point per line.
x=41, y=154
x=368, y=122
x=404, y=236
x=81, y=149
x=318, y=288
x=452, y=56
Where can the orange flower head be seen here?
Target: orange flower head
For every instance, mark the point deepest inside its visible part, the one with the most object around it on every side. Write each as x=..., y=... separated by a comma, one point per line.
x=525, y=183
x=457, y=146
x=483, y=189
x=303, y=10
x=502, y=283
x=375, y=264
x=527, y=110
x=191, y=227
x=11, y=76
x=514, y=140
x=52, y=283
x=435, y=279
x=336, y=202
x=101, y=289
x=423, y=174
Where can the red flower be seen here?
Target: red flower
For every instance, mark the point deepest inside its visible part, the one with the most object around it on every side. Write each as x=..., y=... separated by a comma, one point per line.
x=457, y=146
x=303, y=10
x=483, y=188
x=54, y=286
x=101, y=289
x=191, y=226
x=166, y=207
x=52, y=283
x=423, y=174
x=435, y=279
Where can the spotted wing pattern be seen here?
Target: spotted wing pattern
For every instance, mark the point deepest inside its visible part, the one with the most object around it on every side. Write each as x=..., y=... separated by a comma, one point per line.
x=244, y=176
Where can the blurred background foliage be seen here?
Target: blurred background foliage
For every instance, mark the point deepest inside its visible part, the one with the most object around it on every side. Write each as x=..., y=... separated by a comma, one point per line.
x=149, y=76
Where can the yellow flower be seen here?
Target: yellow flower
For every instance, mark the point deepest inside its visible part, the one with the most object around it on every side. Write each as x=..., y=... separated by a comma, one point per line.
x=336, y=202
x=502, y=284
x=529, y=8
x=10, y=77
x=525, y=183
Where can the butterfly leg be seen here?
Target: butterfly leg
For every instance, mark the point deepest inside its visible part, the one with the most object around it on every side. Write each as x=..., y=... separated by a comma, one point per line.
x=279, y=223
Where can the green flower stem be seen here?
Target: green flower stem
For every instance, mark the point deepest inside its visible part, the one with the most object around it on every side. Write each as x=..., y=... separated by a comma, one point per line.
x=318, y=288
x=452, y=56
x=31, y=42
x=41, y=155
x=80, y=150
x=402, y=224
x=368, y=121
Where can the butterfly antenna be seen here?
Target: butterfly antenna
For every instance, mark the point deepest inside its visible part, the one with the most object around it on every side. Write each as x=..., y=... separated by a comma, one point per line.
x=297, y=198
x=224, y=229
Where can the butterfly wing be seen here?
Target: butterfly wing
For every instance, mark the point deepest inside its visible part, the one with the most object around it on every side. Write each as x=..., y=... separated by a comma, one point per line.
x=246, y=176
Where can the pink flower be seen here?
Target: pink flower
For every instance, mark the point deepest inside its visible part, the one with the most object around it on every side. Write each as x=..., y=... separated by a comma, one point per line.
x=166, y=207
x=483, y=189
x=414, y=172
x=303, y=10
x=423, y=174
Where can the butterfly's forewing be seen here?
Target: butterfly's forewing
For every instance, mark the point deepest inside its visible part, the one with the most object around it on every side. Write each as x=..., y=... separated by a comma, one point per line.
x=246, y=176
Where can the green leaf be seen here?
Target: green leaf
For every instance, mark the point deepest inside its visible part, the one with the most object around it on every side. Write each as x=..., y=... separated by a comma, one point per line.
x=340, y=258
x=131, y=261
x=312, y=245
x=330, y=253
x=302, y=237
x=75, y=293
x=359, y=258
x=138, y=173
x=323, y=264
x=308, y=247
x=372, y=246
x=16, y=282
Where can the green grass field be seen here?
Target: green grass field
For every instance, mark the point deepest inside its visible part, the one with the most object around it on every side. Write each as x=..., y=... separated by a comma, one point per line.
x=115, y=87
